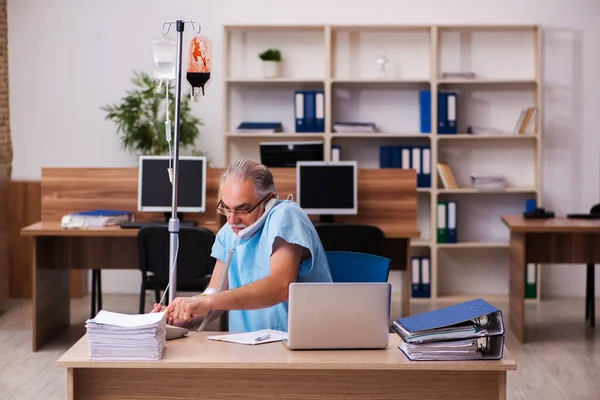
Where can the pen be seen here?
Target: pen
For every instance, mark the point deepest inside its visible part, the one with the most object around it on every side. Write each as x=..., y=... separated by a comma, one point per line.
x=261, y=338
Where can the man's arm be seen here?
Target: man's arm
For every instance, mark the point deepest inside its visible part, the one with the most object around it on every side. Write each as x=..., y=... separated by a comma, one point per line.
x=271, y=290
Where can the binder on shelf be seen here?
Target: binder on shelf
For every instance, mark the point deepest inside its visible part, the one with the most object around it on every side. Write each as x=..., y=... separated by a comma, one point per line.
x=531, y=281
x=319, y=111
x=425, y=110
x=415, y=277
x=451, y=126
x=415, y=163
x=425, y=277
x=336, y=153
x=447, y=112
x=259, y=127
x=441, y=222
x=385, y=157
x=309, y=110
x=442, y=113
x=426, y=166
x=452, y=221
x=299, y=111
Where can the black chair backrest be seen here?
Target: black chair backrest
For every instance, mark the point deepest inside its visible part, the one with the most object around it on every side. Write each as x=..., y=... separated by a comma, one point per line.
x=595, y=209
x=193, y=257
x=361, y=238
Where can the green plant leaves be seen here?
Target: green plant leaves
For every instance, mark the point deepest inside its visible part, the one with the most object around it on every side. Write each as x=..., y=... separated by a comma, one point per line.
x=140, y=118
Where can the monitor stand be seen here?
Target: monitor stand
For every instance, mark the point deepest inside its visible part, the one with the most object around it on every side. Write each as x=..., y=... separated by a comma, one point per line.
x=326, y=219
x=180, y=218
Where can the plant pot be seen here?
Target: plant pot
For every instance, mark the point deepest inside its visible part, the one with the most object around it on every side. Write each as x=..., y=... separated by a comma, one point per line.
x=271, y=69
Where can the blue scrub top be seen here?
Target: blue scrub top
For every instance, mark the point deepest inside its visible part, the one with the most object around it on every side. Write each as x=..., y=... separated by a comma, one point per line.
x=251, y=261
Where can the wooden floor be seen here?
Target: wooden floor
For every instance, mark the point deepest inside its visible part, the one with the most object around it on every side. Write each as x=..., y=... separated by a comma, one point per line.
x=560, y=361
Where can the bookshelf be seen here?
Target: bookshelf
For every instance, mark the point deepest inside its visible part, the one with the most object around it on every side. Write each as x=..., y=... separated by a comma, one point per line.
x=341, y=60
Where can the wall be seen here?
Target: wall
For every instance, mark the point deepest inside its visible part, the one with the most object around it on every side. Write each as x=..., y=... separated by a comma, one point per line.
x=84, y=60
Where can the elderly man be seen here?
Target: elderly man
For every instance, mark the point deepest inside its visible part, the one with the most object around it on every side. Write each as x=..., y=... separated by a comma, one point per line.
x=270, y=242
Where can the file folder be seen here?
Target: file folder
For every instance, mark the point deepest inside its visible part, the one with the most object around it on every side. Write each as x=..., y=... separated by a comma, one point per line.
x=451, y=223
x=319, y=112
x=531, y=281
x=415, y=276
x=426, y=166
x=471, y=319
x=425, y=277
x=299, y=111
x=425, y=108
x=441, y=222
x=485, y=348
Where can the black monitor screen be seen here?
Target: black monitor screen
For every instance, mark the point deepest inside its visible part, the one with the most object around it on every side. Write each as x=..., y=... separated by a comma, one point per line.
x=327, y=188
x=286, y=154
x=155, y=188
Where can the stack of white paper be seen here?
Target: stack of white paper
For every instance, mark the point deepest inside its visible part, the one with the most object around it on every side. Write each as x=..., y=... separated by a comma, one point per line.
x=492, y=182
x=123, y=337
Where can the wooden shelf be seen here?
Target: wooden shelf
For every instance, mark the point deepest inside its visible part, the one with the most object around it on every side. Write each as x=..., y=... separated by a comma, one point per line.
x=281, y=135
x=341, y=60
x=376, y=135
x=508, y=190
x=486, y=81
x=473, y=245
x=469, y=136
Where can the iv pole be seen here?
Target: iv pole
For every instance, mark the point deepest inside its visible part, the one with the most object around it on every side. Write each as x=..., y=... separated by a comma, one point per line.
x=174, y=221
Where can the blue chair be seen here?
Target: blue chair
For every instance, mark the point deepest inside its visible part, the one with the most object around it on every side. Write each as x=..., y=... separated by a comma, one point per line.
x=348, y=266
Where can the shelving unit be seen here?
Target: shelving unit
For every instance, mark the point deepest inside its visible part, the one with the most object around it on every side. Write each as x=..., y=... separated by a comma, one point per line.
x=341, y=61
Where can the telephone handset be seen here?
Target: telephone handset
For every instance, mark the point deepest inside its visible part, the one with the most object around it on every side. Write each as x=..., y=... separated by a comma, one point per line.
x=251, y=229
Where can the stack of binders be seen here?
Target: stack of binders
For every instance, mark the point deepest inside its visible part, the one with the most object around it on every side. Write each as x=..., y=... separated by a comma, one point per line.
x=473, y=330
x=122, y=337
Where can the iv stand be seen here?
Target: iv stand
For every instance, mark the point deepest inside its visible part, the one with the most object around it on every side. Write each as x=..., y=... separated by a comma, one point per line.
x=174, y=221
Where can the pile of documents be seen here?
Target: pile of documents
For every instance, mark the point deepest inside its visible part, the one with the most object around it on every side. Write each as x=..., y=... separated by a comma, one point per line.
x=122, y=337
x=473, y=330
x=492, y=182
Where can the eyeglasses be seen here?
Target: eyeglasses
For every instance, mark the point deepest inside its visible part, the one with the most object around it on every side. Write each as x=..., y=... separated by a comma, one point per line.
x=239, y=211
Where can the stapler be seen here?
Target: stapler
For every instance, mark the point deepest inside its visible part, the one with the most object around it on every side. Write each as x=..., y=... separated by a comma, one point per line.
x=538, y=213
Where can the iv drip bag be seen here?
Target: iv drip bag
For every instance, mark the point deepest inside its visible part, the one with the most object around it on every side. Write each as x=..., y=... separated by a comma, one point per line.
x=165, y=54
x=199, y=62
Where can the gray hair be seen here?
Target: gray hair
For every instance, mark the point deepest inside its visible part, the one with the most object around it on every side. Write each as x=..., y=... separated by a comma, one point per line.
x=249, y=170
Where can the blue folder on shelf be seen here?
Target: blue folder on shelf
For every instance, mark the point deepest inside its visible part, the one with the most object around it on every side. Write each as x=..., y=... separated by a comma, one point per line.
x=471, y=319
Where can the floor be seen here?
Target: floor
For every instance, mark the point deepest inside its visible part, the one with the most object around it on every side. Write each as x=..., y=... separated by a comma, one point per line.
x=560, y=361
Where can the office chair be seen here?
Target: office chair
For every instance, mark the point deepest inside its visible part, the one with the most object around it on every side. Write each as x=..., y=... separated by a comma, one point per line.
x=348, y=266
x=590, y=285
x=360, y=238
x=194, y=263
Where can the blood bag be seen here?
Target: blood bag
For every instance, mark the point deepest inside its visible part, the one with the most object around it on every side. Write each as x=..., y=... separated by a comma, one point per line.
x=165, y=54
x=199, y=63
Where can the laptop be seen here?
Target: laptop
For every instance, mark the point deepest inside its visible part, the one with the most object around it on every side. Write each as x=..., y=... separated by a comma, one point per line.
x=338, y=315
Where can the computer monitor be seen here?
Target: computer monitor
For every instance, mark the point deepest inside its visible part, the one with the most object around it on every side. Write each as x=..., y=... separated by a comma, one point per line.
x=155, y=190
x=327, y=188
x=287, y=154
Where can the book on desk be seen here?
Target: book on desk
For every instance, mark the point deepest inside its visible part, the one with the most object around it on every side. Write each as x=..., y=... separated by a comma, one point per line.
x=473, y=330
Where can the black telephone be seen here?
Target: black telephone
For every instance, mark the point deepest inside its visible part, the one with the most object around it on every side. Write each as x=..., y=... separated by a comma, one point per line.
x=538, y=213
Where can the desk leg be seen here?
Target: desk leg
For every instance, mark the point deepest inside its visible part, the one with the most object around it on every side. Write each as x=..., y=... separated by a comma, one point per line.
x=51, y=312
x=516, y=277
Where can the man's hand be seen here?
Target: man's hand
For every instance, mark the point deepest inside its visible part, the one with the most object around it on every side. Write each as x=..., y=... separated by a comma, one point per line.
x=185, y=309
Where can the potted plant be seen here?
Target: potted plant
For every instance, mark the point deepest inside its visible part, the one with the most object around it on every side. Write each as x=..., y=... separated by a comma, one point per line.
x=140, y=118
x=271, y=62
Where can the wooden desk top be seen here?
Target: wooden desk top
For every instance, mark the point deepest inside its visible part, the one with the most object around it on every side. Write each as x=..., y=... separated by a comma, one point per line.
x=53, y=228
x=517, y=223
x=195, y=351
